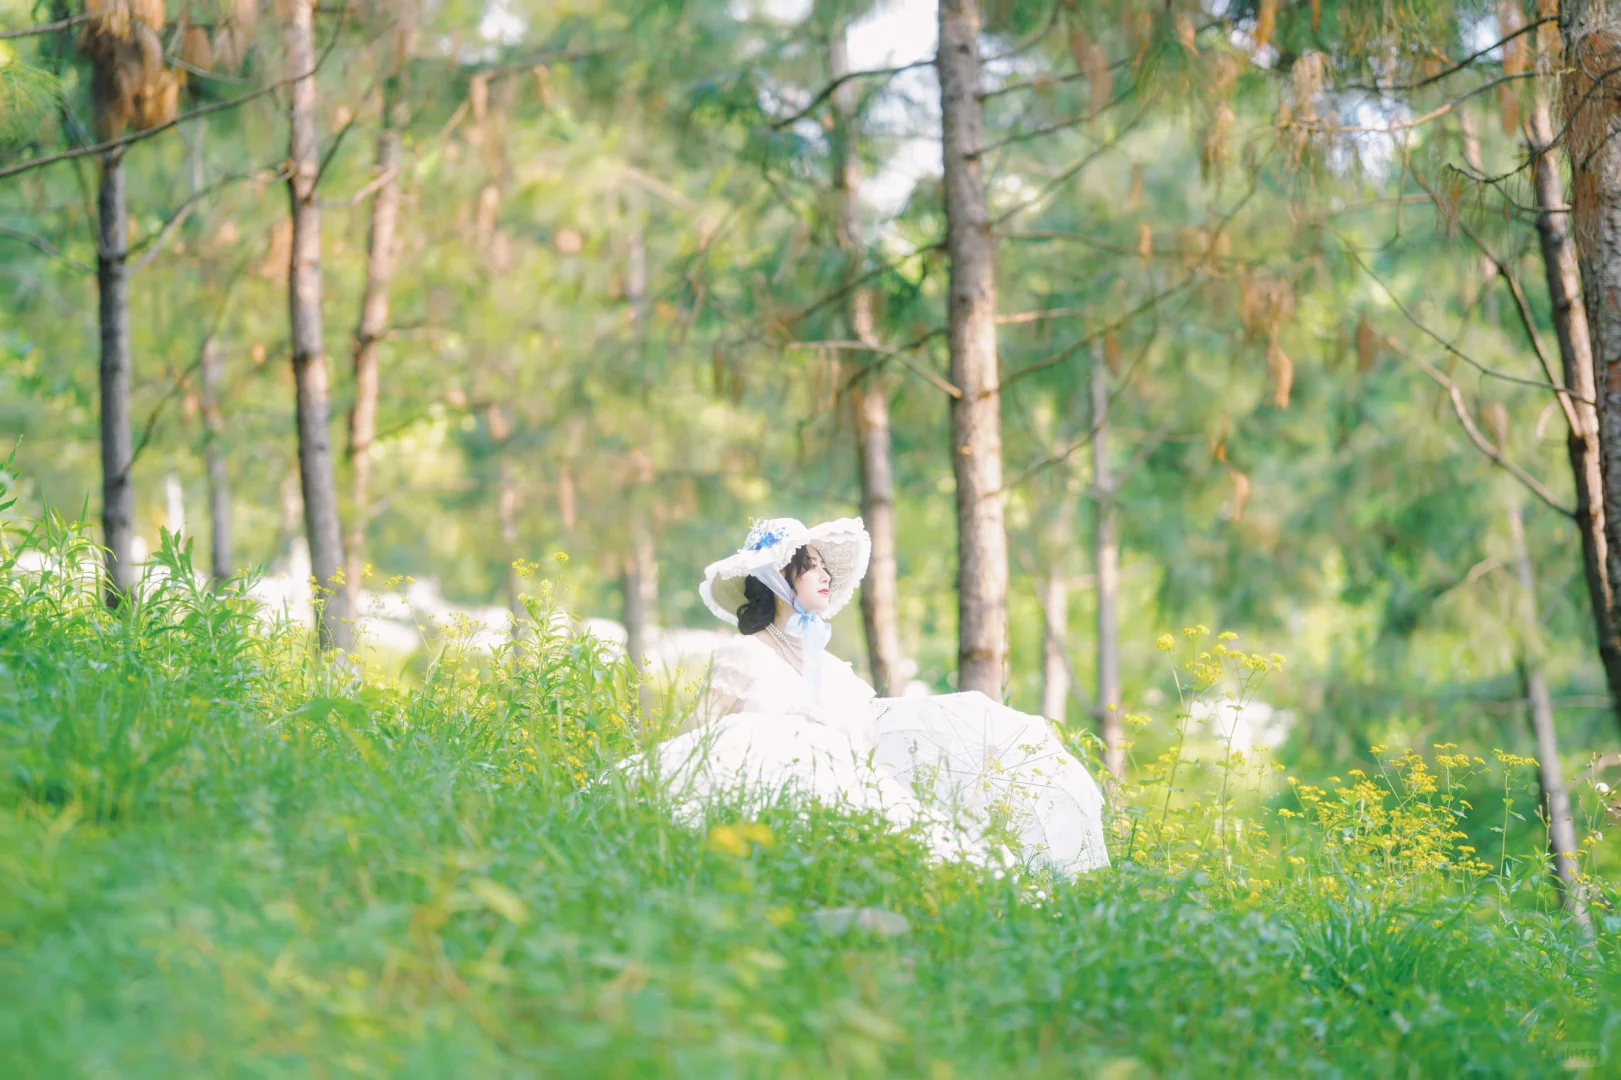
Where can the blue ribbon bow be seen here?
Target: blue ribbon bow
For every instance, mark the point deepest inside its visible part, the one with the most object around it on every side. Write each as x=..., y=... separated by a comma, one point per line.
x=812, y=630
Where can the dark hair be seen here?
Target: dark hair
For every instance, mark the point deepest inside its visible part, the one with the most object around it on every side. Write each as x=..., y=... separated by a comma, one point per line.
x=759, y=608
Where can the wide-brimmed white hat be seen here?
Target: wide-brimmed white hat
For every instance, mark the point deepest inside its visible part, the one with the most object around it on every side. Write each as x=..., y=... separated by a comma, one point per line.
x=844, y=545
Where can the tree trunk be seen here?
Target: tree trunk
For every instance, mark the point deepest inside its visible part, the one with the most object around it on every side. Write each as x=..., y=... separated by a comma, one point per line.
x=640, y=572
x=506, y=512
x=1576, y=357
x=1106, y=569
x=1471, y=139
x=1054, y=643
x=636, y=282
x=641, y=585
x=976, y=421
x=1592, y=38
x=117, y=446
x=1550, y=775
x=195, y=161
x=219, y=481
x=373, y=324
x=320, y=490
x=174, y=504
x=869, y=395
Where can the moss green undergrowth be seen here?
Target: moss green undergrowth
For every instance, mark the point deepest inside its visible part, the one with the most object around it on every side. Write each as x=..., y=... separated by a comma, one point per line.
x=223, y=855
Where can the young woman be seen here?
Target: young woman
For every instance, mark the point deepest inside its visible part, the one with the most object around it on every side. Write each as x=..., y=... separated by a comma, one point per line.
x=781, y=713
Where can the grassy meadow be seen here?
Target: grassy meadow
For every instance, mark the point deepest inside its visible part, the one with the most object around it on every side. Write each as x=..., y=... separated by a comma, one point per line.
x=225, y=856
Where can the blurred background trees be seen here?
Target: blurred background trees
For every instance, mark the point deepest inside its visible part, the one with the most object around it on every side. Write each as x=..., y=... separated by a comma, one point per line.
x=1269, y=324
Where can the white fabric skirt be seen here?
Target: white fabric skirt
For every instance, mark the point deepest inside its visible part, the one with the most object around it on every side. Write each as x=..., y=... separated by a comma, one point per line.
x=992, y=764
x=971, y=772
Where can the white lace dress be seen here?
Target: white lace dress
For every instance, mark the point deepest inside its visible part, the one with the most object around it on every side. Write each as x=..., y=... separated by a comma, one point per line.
x=962, y=766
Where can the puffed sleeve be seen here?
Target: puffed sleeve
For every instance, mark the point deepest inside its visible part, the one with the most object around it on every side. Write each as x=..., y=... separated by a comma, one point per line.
x=729, y=683
x=742, y=677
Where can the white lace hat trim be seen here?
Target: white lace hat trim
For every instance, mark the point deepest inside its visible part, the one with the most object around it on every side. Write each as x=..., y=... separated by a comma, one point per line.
x=844, y=545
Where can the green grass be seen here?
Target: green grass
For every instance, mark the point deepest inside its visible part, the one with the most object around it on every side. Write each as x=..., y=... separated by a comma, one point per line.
x=222, y=856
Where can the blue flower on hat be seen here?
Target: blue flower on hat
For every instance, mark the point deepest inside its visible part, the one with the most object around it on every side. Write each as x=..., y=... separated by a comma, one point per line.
x=761, y=537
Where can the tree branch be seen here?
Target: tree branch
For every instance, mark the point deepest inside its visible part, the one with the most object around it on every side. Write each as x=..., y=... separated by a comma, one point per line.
x=525, y=64
x=1061, y=633
x=1417, y=121
x=657, y=187
x=1527, y=321
x=178, y=218
x=1085, y=440
x=137, y=136
x=827, y=91
x=1147, y=305
x=371, y=185
x=886, y=351
x=1033, y=40
x=1040, y=316
x=1060, y=125
x=1030, y=84
x=1455, y=68
x=337, y=141
x=1071, y=171
x=175, y=61
x=44, y=247
x=1069, y=351
x=855, y=283
x=1443, y=342
x=1075, y=76
x=45, y=28
x=1484, y=445
x=157, y=411
x=1145, y=450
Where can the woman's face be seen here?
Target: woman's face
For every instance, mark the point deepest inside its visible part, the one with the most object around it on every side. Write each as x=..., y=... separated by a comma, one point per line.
x=814, y=588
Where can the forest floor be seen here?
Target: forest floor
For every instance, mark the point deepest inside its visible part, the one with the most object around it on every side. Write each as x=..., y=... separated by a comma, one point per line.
x=223, y=856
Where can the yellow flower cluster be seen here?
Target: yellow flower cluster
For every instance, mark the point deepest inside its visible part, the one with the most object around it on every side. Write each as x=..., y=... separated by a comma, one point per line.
x=1378, y=828
x=740, y=839
x=1385, y=833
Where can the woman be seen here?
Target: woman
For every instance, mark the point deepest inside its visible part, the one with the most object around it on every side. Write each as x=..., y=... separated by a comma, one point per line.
x=782, y=714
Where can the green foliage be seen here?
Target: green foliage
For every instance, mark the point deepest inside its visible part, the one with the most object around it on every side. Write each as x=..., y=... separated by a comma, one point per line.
x=26, y=94
x=233, y=856
x=1147, y=193
x=226, y=854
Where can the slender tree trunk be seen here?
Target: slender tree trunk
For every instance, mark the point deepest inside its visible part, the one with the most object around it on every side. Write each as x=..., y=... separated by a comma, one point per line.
x=636, y=282
x=219, y=481
x=291, y=528
x=869, y=396
x=1471, y=139
x=320, y=491
x=640, y=573
x=880, y=590
x=212, y=365
x=506, y=510
x=195, y=163
x=373, y=324
x=1054, y=644
x=1550, y=774
x=1106, y=569
x=976, y=421
x=174, y=504
x=641, y=585
x=1592, y=38
x=117, y=446
x=1576, y=356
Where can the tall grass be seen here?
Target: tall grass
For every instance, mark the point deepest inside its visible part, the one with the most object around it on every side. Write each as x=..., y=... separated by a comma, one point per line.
x=223, y=854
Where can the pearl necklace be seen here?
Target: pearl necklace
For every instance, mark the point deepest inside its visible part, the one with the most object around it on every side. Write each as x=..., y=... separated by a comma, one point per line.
x=791, y=650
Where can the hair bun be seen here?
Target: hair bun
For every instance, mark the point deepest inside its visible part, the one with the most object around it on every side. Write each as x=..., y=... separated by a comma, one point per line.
x=759, y=608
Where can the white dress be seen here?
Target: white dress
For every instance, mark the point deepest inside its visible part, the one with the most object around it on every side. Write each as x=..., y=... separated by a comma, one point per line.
x=975, y=775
